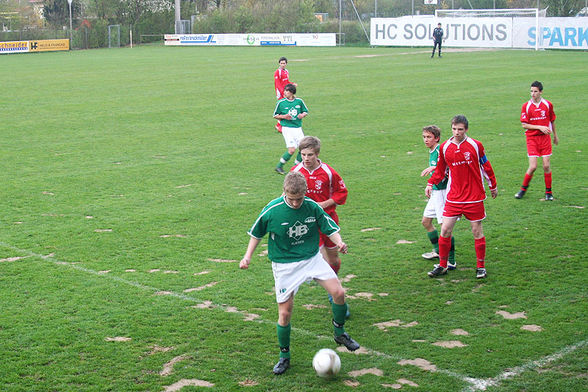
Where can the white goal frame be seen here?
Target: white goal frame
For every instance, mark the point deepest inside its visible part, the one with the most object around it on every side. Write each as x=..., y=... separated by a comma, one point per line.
x=503, y=12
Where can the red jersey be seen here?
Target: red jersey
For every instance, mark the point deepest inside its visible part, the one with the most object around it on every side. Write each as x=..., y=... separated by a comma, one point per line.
x=280, y=81
x=468, y=166
x=537, y=114
x=324, y=183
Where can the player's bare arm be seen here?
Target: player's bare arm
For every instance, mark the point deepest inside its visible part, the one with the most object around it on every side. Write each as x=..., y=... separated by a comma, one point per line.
x=283, y=117
x=341, y=246
x=428, y=190
x=541, y=128
x=555, y=138
x=428, y=171
x=302, y=115
x=253, y=242
x=327, y=203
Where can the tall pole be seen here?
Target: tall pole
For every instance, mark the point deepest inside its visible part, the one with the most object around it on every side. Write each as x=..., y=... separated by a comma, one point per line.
x=70, y=29
x=376, y=8
x=340, y=18
x=177, y=18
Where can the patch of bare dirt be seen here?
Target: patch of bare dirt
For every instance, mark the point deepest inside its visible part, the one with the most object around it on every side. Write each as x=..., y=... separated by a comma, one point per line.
x=201, y=273
x=532, y=328
x=404, y=242
x=394, y=323
x=168, y=368
x=348, y=278
x=248, y=383
x=449, y=344
x=420, y=363
x=361, y=350
x=223, y=260
x=370, y=229
x=351, y=383
x=459, y=332
x=362, y=372
x=407, y=382
x=187, y=383
x=208, y=285
x=204, y=305
x=117, y=339
x=11, y=259
x=393, y=386
x=512, y=316
x=313, y=306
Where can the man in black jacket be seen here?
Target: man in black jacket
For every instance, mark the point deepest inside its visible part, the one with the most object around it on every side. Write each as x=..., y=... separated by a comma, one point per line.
x=437, y=38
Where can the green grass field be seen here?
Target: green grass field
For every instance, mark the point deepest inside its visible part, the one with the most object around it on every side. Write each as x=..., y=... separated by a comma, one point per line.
x=131, y=176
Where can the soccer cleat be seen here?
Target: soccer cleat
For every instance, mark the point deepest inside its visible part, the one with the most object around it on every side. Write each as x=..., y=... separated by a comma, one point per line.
x=282, y=365
x=437, y=271
x=279, y=170
x=347, y=341
x=480, y=273
x=430, y=255
x=451, y=266
x=549, y=197
x=520, y=194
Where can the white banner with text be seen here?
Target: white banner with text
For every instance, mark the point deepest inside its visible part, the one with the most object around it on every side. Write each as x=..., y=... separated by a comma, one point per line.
x=500, y=32
x=279, y=39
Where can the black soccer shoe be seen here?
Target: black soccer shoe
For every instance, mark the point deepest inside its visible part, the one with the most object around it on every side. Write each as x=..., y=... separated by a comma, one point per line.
x=279, y=170
x=347, y=341
x=548, y=196
x=437, y=271
x=282, y=365
x=520, y=194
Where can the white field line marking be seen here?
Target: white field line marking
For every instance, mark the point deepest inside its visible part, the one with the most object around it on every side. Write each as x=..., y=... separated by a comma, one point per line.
x=482, y=384
x=476, y=384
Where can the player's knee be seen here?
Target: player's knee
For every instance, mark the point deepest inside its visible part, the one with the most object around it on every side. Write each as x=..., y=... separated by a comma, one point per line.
x=338, y=295
x=291, y=150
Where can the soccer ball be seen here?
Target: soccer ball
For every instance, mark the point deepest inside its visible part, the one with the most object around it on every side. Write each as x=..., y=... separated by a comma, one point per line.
x=326, y=362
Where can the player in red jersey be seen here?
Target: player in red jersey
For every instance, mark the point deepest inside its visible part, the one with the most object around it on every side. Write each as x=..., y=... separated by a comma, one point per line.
x=281, y=79
x=468, y=167
x=326, y=187
x=537, y=118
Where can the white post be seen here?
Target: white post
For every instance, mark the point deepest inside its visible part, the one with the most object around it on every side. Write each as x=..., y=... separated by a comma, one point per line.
x=538, y=33
x=376, y=8
x=177, y=17
x=70, y=28
x=131, y=37
x=340, y=17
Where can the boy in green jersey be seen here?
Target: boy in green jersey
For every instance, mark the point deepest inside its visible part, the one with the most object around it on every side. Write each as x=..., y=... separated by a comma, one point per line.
x=436, y=203
x=293, y=222
x=290, y=111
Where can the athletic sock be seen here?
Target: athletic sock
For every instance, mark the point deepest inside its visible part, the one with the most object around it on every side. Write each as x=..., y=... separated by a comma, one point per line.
x=285, y=158
x=339, y=312
x=434, y=238
x=444, y=246
x=451, y=258
x=480, y=245
x=526, y=182
x=547, y=177
x=284, y=340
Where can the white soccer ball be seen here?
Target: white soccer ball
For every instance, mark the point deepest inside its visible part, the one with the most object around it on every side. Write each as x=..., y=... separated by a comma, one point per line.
x=326, y=362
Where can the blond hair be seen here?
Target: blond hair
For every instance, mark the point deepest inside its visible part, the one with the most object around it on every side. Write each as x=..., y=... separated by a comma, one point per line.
x=295, y=183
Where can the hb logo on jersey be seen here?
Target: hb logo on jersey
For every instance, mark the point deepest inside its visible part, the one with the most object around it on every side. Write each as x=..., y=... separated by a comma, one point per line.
x=293, y=112
x=297, y=230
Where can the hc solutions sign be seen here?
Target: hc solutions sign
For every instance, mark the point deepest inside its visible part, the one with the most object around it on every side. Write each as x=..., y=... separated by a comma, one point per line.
x=557, y=33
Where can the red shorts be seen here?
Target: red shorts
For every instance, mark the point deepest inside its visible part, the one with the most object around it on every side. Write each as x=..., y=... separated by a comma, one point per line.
x=324, y=239
x=473, y=212
x=539, y=146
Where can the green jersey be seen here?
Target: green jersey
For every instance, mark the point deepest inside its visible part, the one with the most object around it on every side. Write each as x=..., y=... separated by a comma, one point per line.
x=293, y=108
x=433, y=158
x=293, y=233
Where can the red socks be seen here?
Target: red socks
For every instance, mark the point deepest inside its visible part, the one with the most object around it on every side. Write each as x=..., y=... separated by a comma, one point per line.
x=526, y=181
x=480, y=245
x=444, y=246
x=547, y=177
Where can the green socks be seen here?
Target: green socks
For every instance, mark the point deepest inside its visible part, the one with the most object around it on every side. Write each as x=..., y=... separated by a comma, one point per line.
x=284, y=340
x=339, y=312
x=434, y=238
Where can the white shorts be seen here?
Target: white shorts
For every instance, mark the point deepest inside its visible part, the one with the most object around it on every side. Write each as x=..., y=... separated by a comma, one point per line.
x=289, y=276
x=436, y=204
x=292, y=136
